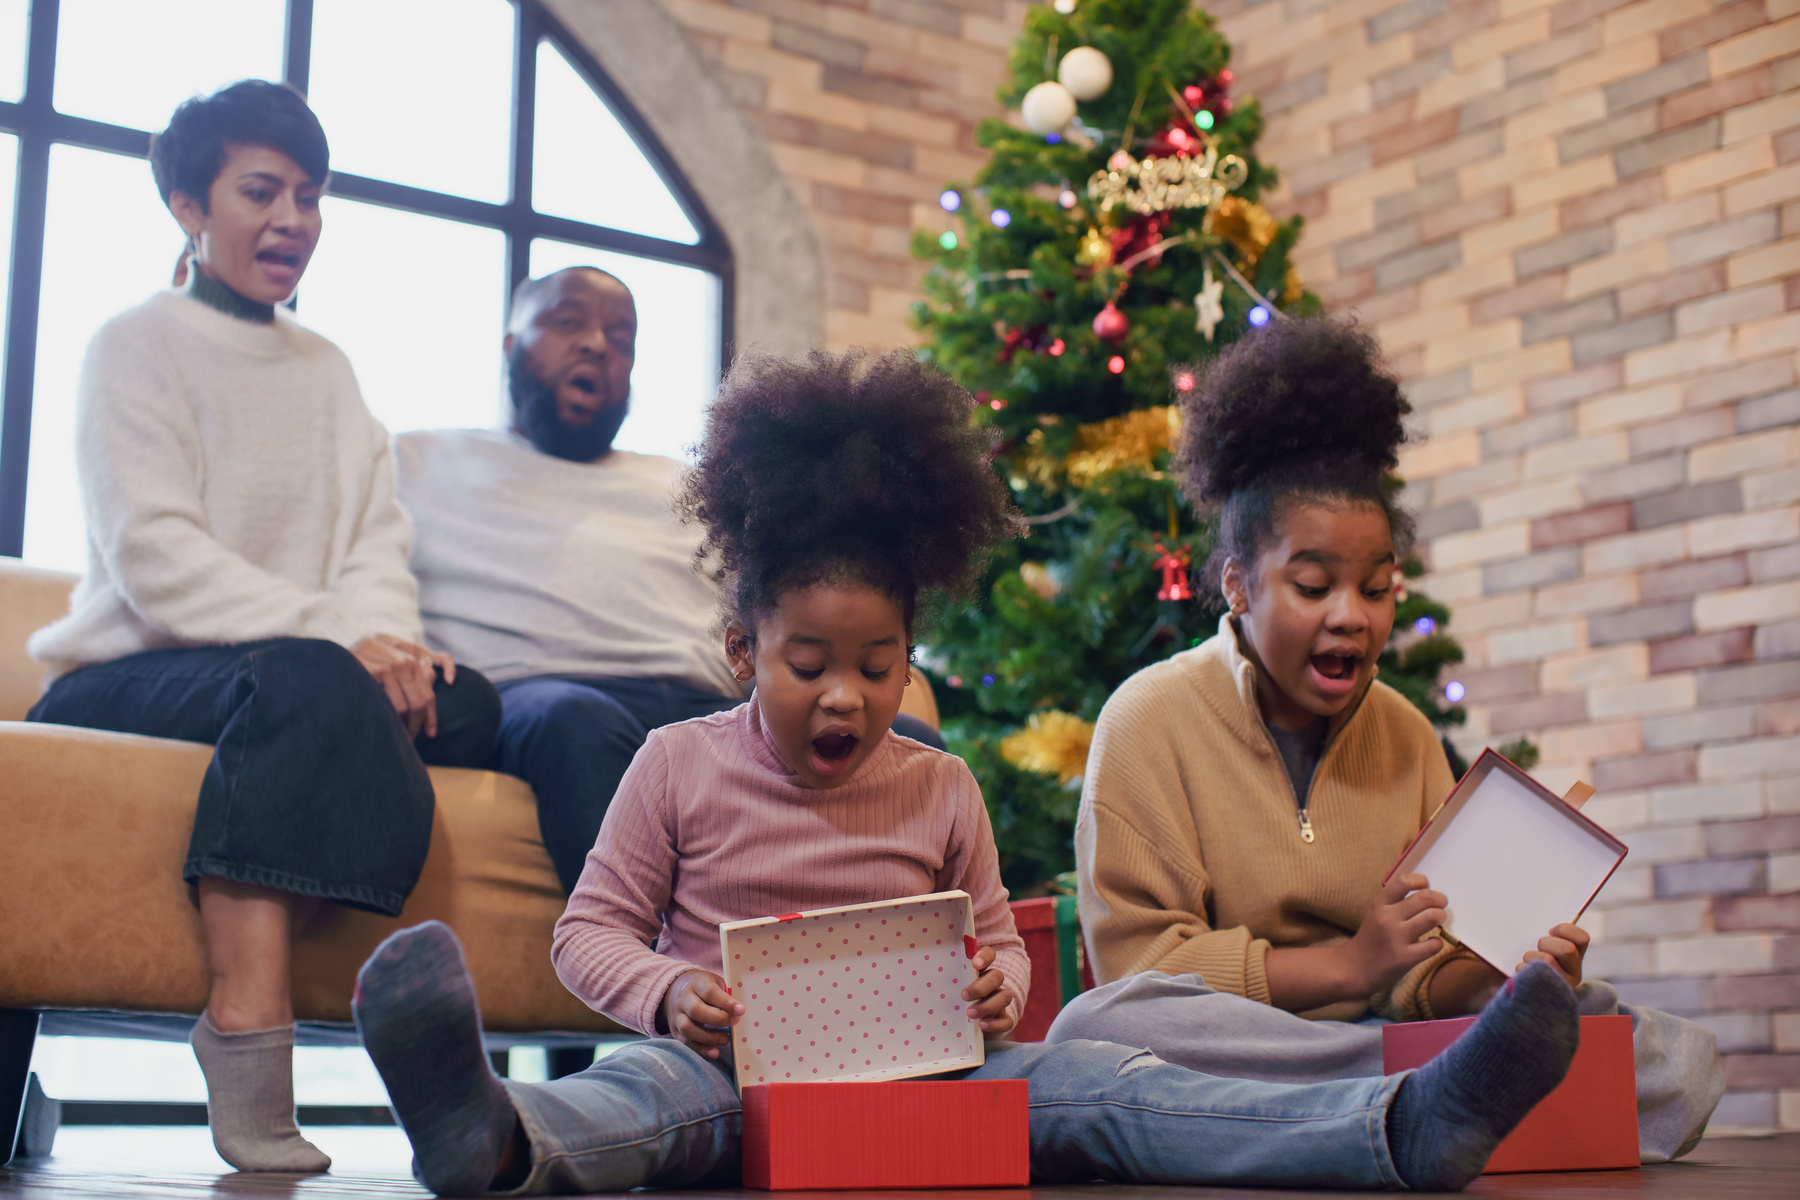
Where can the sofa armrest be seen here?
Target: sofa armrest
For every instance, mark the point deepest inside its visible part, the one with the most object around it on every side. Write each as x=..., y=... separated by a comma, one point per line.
x=97, y=915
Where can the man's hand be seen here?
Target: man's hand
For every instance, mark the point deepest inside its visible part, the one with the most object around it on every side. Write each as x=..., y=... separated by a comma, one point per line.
x=990, y=994
x=1387, y=945
x=405, y=672
x=699, y=1010
x=1564, y=949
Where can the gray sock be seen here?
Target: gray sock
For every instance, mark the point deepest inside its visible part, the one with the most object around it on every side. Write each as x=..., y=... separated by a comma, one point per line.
x=1447, y=1117
x=250, y=1098
x=416, y=1010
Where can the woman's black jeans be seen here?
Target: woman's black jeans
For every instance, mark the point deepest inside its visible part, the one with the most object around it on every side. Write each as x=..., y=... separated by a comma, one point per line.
x=314, y=787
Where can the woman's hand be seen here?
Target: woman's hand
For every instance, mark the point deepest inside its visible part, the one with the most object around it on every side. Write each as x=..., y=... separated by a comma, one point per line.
x=405, y=672
x=990, y=994
x=1564, y=949
x=1387, y=944
x=699, y=1010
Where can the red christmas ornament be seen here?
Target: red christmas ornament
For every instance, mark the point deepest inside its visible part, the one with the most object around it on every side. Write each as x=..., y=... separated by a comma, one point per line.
x=1174, y=568
x=1194, y=96
x=1009, y=344
x=1015, y=340
x=1138, y=235
x=1111, y=324
x=1225, y=77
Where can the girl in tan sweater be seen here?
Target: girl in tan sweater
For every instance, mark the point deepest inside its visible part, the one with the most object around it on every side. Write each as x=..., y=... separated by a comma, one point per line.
x=1244, y=800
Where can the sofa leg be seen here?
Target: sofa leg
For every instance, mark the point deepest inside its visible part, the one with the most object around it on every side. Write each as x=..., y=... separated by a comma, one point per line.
x=18, y=1033
x=39, y=1122
x=564, y=1061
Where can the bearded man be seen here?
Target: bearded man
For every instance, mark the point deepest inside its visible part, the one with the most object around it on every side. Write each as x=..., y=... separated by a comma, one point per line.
x=557, y=566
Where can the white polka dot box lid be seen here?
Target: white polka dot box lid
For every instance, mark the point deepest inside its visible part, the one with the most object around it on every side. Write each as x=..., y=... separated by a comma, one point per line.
x=868, y=991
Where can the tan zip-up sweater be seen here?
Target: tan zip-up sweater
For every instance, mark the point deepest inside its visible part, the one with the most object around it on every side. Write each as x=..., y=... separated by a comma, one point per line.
x=1189, y=841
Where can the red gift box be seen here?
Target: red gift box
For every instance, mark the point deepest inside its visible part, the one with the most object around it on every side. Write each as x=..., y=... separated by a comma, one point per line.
x=1036, y=922
x=1589, y=1123
x=1051, y=929
x=901, y=1134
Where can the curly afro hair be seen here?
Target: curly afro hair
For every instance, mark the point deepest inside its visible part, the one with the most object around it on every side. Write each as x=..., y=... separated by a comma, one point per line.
x=1300, y=411
x=845, y=467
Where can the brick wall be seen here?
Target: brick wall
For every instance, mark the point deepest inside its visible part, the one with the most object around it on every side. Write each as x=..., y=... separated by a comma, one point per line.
x=870, y=106
x=1575, y=225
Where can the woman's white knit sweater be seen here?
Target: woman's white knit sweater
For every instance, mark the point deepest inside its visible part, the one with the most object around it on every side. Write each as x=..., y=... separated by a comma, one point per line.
x=235, y=488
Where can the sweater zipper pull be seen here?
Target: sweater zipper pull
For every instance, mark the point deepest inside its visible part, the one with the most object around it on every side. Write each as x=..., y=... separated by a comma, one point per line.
x=1306, y=829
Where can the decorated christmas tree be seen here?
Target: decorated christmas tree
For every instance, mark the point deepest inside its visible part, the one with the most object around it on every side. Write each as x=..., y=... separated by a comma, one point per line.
x=1101, y=256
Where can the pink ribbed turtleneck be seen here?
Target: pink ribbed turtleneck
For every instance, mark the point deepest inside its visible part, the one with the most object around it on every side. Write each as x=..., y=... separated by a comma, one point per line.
x=709, y=826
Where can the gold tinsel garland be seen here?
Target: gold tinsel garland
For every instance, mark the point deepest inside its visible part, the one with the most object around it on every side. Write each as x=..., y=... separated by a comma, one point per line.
x=1052, y=743
x=1245, y=224
x=1131, y=441
x=1248, y=226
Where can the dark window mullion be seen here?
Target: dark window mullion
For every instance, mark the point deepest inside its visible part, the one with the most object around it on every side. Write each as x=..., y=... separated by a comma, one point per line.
x=29, y=206
x=296, y=50
x=524, y=129
x=636, y=244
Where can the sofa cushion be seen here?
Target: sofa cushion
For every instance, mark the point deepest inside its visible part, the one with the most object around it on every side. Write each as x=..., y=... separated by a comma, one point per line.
x=97, y=916
x=29, y=600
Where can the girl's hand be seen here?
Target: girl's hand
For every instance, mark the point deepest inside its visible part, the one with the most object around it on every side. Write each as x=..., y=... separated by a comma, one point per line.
x=700, y=1011
x=1387, y=945
x=1564, y=949
x=990, y=994
x=404, y=671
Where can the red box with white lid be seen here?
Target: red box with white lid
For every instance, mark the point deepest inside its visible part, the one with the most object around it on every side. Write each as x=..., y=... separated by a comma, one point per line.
x=840, y=1005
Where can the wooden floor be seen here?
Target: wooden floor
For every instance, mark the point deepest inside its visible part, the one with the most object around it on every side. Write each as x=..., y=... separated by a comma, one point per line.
x=178, y=1164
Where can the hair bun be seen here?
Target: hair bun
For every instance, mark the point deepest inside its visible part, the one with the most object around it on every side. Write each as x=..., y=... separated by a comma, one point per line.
x=1295, y=393
x=836, y=464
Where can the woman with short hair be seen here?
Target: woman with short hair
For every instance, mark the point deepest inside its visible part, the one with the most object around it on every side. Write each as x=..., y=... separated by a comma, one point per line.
x=247, y=587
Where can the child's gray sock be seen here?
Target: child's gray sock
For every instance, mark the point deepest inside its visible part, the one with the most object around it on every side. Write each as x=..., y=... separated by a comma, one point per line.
x=250, y=1098
x=416, y=1010
x=1448, y=1116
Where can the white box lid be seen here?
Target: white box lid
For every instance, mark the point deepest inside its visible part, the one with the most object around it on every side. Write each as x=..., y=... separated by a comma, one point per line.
x=1512, y=858
x=865, y=991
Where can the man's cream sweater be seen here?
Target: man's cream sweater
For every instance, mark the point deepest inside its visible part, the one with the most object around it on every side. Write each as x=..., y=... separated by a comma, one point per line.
x=1188, y=841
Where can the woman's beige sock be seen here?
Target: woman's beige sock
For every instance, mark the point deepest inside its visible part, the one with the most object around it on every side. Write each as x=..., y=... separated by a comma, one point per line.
x=250, y=1098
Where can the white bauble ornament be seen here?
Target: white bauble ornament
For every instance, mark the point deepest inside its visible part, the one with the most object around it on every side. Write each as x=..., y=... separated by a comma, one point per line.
x=1065, y=7
x=1047, y=107
x=1086, y=72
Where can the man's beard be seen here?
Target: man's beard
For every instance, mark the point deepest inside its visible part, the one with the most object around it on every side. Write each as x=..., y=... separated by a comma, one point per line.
x=534, y=411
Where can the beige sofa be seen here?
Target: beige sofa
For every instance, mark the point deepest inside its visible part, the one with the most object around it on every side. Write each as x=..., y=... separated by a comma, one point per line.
x=94, y=914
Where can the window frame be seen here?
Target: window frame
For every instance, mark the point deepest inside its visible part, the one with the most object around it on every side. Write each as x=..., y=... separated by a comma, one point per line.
x=38, y=126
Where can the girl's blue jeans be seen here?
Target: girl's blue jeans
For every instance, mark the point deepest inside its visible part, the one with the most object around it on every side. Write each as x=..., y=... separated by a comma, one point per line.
x=657, y=1114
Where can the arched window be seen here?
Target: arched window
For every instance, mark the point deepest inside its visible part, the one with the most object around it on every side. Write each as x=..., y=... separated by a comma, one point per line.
x=474, y=143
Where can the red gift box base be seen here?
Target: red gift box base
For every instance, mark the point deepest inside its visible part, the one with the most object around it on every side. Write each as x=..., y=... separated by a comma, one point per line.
x=1589, y=1123
x=900, y=1134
